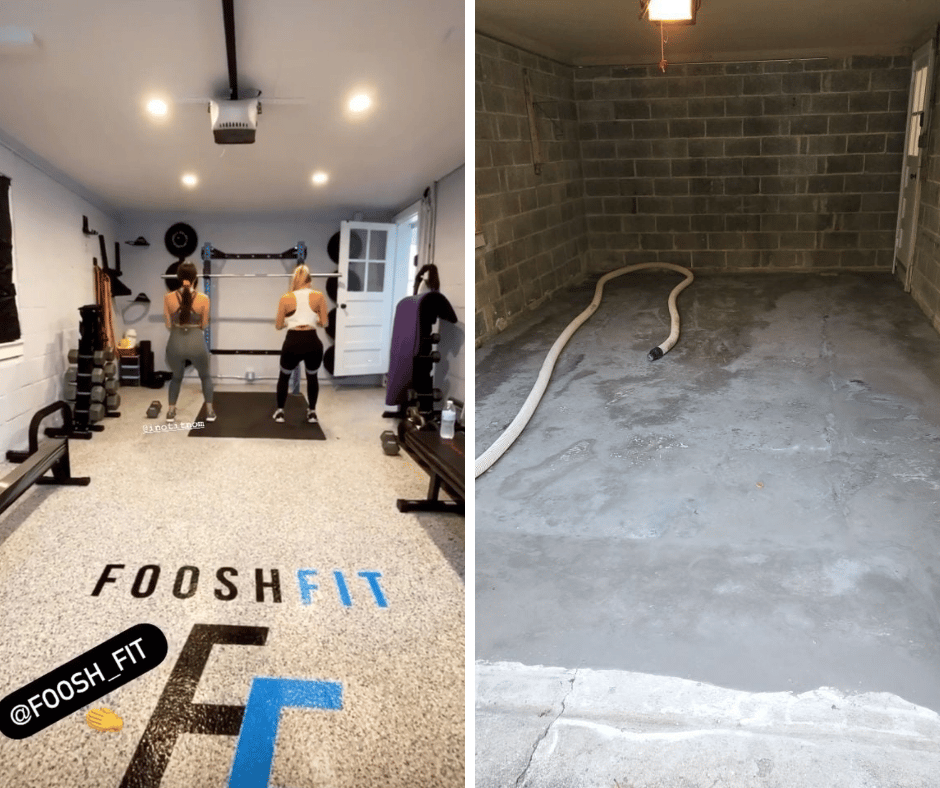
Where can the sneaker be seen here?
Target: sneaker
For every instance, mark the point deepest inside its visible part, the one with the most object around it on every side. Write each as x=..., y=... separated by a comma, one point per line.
x=279, y=416
x=311, y=417
x=171, y=414
x=210, y=414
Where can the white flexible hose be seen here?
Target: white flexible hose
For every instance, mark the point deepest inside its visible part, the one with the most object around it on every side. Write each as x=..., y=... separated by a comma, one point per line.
x=504, y=441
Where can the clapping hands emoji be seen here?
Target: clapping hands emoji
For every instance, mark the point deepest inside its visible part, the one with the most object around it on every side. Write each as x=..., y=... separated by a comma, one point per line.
x=104, y=720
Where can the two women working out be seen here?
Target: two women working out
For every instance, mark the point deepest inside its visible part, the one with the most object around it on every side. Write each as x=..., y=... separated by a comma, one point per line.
x=186, y=313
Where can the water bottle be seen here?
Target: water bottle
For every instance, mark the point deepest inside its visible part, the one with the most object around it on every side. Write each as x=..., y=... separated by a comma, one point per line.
x=448, y=419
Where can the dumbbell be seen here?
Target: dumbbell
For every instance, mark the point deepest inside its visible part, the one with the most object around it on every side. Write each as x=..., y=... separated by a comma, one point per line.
x=154, y=410
x=434, y=355
x=414, y=416
x=97, y=394
x=99, y=356
x=70, y=391
x=113, y=401
x=389, y=443
x=96, y=412
x=97, y=375
x=110, y=369
x=435, y=338
x=111, y=385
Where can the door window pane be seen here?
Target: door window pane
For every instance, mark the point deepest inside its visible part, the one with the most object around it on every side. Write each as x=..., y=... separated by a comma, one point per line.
x=376, y=277
x=357, y=248
x=357, y=275
x=377, y=242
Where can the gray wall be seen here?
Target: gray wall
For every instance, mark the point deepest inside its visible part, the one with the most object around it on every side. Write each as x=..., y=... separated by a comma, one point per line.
x=757, y=165
x=925, y=281
x=790, y=165
x=532, y=225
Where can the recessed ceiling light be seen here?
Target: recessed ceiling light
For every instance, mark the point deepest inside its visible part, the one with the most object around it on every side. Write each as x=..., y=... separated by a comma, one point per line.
x=189, y=180
x=360, y=102
x=157, y=108
x=320, y=177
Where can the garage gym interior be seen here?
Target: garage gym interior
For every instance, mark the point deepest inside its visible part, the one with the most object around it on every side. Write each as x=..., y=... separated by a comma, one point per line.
x=306, y=580
x=720, y=566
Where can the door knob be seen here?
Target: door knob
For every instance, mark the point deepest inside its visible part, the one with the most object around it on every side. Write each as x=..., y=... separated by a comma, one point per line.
x=342, y=306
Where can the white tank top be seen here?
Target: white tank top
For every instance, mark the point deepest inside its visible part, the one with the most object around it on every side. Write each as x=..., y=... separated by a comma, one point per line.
x=304, y=315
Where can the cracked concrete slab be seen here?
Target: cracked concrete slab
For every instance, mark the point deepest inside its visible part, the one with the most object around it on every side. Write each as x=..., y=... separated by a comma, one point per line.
x=541, y=727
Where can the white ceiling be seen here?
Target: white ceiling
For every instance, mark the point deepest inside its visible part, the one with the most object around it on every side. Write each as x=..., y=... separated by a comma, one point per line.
x=76, y=100
x=609, y=32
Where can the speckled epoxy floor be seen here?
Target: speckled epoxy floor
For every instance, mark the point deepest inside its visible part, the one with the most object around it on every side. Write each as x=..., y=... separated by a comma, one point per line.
x=164, y=499
x=757, y=510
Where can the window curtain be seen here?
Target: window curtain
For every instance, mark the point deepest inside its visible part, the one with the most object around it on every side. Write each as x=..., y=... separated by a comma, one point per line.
x=9, y=319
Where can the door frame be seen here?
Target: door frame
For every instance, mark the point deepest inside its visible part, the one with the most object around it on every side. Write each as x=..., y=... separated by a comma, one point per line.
x=928, y=51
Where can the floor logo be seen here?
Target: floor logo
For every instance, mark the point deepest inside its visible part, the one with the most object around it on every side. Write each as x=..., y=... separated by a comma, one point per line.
x=255, y=723
x=362, y=585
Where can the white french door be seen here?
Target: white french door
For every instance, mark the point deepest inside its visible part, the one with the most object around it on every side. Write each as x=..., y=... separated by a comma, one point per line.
x=364, y=296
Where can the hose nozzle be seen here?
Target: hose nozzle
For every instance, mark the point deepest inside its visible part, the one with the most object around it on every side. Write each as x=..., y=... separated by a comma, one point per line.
x=655, y=353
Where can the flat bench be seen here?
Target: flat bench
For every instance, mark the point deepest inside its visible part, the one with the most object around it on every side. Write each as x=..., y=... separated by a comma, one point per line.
x=442, y=460
x=52, y=455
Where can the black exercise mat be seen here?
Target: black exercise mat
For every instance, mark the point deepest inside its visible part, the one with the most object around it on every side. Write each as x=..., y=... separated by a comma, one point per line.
x=247, y=414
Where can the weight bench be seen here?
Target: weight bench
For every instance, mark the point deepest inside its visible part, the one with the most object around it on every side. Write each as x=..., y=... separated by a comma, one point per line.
x=442, y=460
x=53, y=455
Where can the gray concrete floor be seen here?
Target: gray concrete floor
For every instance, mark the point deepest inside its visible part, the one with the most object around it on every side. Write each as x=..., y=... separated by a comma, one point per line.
x=757, y=510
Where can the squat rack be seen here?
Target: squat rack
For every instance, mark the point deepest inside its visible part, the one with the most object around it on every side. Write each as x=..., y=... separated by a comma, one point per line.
x=210, y=253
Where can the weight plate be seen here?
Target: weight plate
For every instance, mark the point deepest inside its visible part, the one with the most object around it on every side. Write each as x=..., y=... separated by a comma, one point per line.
x=181, y=240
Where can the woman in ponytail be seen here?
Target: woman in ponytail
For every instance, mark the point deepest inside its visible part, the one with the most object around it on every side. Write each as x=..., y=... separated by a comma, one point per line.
x=301, y=311
x=187, y=314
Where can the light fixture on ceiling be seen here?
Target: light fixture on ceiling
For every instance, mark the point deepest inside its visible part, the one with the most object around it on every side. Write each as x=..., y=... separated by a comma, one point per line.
x=189, y=180
x=360, y=103
x=671, y=12
x=157, y=108
x=320, y=177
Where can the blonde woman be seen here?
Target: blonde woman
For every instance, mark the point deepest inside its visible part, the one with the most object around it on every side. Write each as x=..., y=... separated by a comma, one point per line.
x=186, y=313
x=301, y=311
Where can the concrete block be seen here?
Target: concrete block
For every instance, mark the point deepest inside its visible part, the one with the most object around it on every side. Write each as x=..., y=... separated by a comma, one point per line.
x=724, y=127
x=724, y=86
x=635, y=109
x=870, y=101
x=778, y=146
x=685, y=87
x=706, y=107
x=761, y=85
x=844, y=164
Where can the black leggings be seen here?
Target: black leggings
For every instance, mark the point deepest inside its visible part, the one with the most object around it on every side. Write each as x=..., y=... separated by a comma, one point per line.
x=300, y=346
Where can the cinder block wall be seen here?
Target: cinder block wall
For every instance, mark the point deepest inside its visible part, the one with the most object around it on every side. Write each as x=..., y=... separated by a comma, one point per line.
x=925, y=275
x=532, y=226
x=737, y=166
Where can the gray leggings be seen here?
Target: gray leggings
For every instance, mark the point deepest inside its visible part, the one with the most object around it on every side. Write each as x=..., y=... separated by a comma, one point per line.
x=187, y=344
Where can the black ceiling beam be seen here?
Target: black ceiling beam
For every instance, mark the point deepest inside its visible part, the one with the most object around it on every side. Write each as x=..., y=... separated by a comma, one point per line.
x=228, y=17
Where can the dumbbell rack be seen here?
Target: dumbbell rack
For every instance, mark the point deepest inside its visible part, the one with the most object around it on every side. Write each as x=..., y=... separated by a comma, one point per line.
x=423, y=395
x=91, y=384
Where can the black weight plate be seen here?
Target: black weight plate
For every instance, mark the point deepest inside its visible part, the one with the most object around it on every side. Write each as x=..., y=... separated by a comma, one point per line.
x=181, y=240
x=355, y=246
x=331, y=324
x=331, y=284
x=172, y=284
x=329, y=356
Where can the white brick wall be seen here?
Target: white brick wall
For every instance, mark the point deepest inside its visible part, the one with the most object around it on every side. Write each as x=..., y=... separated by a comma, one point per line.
x=53, y=271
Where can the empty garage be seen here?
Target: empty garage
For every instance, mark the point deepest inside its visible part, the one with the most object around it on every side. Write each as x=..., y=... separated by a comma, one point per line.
x=710, y=555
